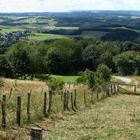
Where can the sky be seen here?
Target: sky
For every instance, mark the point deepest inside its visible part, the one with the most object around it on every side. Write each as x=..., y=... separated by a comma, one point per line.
x=66, y=5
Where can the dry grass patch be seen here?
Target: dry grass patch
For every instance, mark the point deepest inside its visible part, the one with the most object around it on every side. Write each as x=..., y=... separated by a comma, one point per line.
x=115, y=118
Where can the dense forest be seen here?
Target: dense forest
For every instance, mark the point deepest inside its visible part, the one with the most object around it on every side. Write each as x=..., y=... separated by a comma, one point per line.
x=69, y=56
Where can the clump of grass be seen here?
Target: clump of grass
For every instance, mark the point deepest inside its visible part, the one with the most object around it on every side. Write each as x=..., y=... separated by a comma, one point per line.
x=7, y=136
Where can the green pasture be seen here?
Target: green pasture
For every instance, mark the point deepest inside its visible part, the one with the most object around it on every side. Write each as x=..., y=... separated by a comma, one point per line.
x=93, y=34
x=66, y=78
x=4, y=29
x=41, y=37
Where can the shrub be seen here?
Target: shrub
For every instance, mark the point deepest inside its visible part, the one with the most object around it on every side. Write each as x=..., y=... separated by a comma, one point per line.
x=1, y=82
x=55, y=84
x=104, y=74
x=95, y=79
x=87, y=78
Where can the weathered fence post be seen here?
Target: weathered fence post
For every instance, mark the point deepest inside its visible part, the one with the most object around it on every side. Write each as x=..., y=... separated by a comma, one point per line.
x=50, y=101
x=107, y=90
x=135, y=89
x=45, y=104
x=28, y=107
x=97, y=90
x=72, y=104
x=118, y=88
x=18, y=110
x=114, y=88
x=4, y=111
x=65, y=101
x=85, y=97
x=36, y=133
x=75, y=98
x=111, y=88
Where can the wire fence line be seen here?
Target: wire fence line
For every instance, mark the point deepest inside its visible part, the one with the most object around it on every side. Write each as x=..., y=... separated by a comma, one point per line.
x=19, y=110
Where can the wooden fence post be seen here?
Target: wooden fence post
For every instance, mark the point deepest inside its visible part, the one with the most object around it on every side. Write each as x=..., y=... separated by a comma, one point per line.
x=85, y=97
x=50, y=101
x=72, y=104
x=36, y=133
x=28, y=107
x=107, y=90
x=75, y=98
x=135, y=89
x=97, y=93
x=65, y=101
x=18, y=110
x=45, y=104
x=111, y=89
x=4, y=111
x=114, y=88
x=118, y=88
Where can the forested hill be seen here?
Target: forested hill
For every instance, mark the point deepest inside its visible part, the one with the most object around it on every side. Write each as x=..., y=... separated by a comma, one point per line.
x=103, y=25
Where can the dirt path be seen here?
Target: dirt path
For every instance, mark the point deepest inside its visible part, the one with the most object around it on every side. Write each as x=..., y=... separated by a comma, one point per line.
x=124, y=79
x=115, y=118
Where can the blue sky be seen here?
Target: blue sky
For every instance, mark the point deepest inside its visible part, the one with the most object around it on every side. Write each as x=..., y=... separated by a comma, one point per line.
x=66, y=5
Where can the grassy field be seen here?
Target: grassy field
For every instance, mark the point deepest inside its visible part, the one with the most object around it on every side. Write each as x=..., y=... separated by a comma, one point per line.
x=135, y=80
x=115, y=118
x=10, y=29
x=93, y=34
x=41, y=37
x=21, y=88
x=58, y=28
x=66, y=79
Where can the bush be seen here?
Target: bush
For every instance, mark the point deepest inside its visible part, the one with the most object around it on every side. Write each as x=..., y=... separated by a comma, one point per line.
x=55, y=84
x=87, y=78
x=103, y=73
x=95, y=79
x=1, y=82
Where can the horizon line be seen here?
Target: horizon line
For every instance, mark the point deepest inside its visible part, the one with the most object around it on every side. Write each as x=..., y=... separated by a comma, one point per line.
x=69, y=11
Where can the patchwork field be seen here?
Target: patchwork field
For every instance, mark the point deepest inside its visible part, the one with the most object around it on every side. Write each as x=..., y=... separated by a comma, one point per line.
x=88, y=25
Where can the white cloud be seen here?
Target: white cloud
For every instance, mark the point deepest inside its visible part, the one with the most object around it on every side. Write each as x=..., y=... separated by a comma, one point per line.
x=66, y=5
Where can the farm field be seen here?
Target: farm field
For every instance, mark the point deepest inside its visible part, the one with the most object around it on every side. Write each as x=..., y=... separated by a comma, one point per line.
x=93, y=34
x=4, y=29
x=41, y=37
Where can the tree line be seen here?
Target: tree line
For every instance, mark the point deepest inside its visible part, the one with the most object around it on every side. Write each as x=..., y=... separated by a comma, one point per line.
x=69, y=56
